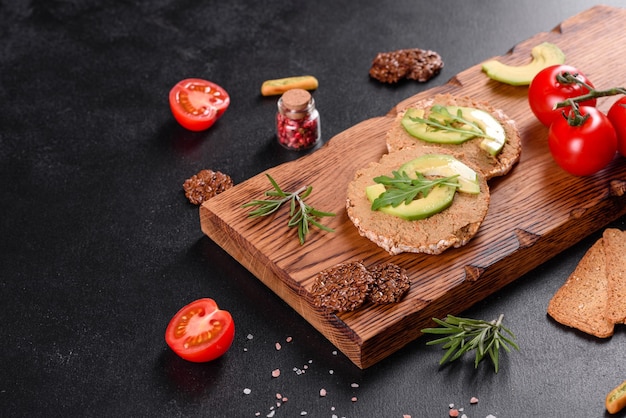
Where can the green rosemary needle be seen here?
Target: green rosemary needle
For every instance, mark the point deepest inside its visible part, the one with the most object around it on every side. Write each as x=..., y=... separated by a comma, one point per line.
x=465, y=334
x=301, y=215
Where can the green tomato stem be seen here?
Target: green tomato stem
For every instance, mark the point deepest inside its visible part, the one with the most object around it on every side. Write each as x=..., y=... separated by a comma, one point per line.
x=568, y=78
x=574, y=117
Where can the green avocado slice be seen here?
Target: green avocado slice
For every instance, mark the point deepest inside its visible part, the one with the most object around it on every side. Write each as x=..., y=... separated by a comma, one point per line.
x=444, y=165
x=543, y=56
x=439, y=198
x=494, y=137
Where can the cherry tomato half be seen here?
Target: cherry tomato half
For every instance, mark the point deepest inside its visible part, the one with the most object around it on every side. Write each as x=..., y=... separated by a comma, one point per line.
x=545, y=91
x=617, y=116
x=200, y=331
x=196, y=104
x=586, y=149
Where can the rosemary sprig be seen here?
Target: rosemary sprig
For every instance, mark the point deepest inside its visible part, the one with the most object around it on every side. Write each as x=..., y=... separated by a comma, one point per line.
x=301, y=215
x=403, y=189
x=449, y=122
x=465, y=334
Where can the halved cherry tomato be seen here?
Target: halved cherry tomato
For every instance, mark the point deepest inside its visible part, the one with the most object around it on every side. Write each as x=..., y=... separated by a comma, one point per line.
x=196, y=104
x=545, y=91
x=585, y=149
x=200, y=331
x=617, y=116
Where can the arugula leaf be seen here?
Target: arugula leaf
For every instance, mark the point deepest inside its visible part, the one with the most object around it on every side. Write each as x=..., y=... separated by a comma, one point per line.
x=403, y=189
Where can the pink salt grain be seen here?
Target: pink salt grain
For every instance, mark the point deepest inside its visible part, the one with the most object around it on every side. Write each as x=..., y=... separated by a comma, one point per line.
x=353, y=399
x=276, y=373
x=322, y=392
x=278, y=346
x=454, y=412
x=474, y=400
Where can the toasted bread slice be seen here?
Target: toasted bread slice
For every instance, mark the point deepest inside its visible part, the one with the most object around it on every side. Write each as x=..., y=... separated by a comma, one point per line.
x=398, y=138
x=453, y=227
x=581, y=302
x=615, y=250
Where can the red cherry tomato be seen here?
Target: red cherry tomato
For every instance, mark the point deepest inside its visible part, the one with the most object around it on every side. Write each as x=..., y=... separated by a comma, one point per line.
x=196, y=104
x=617, y=116
x=200, y=331
x=545, y=91
x=586, y=149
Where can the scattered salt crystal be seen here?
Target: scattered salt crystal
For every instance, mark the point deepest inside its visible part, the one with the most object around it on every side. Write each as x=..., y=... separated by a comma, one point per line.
x=463, y=416
x=474, y=400
x=451, y=406
x=406, y=416
x=285, y=399
x=289, y=339
x=454, y=412
x=271, y=414
x=490, y=416
x=250, y=336
x=257, y=414
x=355, y=385
x=247, y=391
x=334, y=352
x=276, y=373
x=303, y=413
x=353, y=399
x=278, y=346
x=310, y=361
x=279, y=396
x=322, y=392
x=331, y=371
x=245, y=349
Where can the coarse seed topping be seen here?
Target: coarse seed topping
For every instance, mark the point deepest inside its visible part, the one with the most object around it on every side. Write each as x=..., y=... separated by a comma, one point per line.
x=390, y=283
x=342, y=288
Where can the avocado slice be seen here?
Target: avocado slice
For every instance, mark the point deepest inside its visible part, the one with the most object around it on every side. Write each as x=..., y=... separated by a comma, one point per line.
x=439, y=198
x=543, y=56
x=444, y=165
x=493, y=140
x=421, y=130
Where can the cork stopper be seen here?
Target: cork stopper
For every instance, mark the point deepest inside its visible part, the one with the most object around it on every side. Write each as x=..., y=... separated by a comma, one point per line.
x=296, y=99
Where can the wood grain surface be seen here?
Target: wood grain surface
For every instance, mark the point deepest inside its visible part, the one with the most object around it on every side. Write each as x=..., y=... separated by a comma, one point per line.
x=536, y=211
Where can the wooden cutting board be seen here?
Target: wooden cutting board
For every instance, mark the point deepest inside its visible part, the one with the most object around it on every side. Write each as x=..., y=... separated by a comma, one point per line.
x=536, y=211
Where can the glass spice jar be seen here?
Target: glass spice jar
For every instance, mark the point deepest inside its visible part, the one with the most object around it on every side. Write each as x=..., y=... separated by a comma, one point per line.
x=297, y=120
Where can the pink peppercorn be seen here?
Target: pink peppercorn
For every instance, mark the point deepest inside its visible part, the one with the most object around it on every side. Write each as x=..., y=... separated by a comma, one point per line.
x=297, y=120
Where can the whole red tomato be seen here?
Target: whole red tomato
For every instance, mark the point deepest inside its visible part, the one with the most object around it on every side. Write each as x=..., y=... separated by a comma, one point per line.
x=196, y=104
x=617, y=116
x=200, y=331
x=585, y=149
x=545, y=91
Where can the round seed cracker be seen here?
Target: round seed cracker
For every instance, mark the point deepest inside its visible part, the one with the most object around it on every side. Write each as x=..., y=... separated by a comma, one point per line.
x=342, y=288
x=390, y=283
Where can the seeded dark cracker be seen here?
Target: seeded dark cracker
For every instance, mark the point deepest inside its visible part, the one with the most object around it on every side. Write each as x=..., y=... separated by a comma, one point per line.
x=206, y=184
x=390, y=283
x=342, y=288
x=414, y=64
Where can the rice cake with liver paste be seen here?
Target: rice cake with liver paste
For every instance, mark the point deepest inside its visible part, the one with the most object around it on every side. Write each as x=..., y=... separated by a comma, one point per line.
x=492, y=166
x=452, y=227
